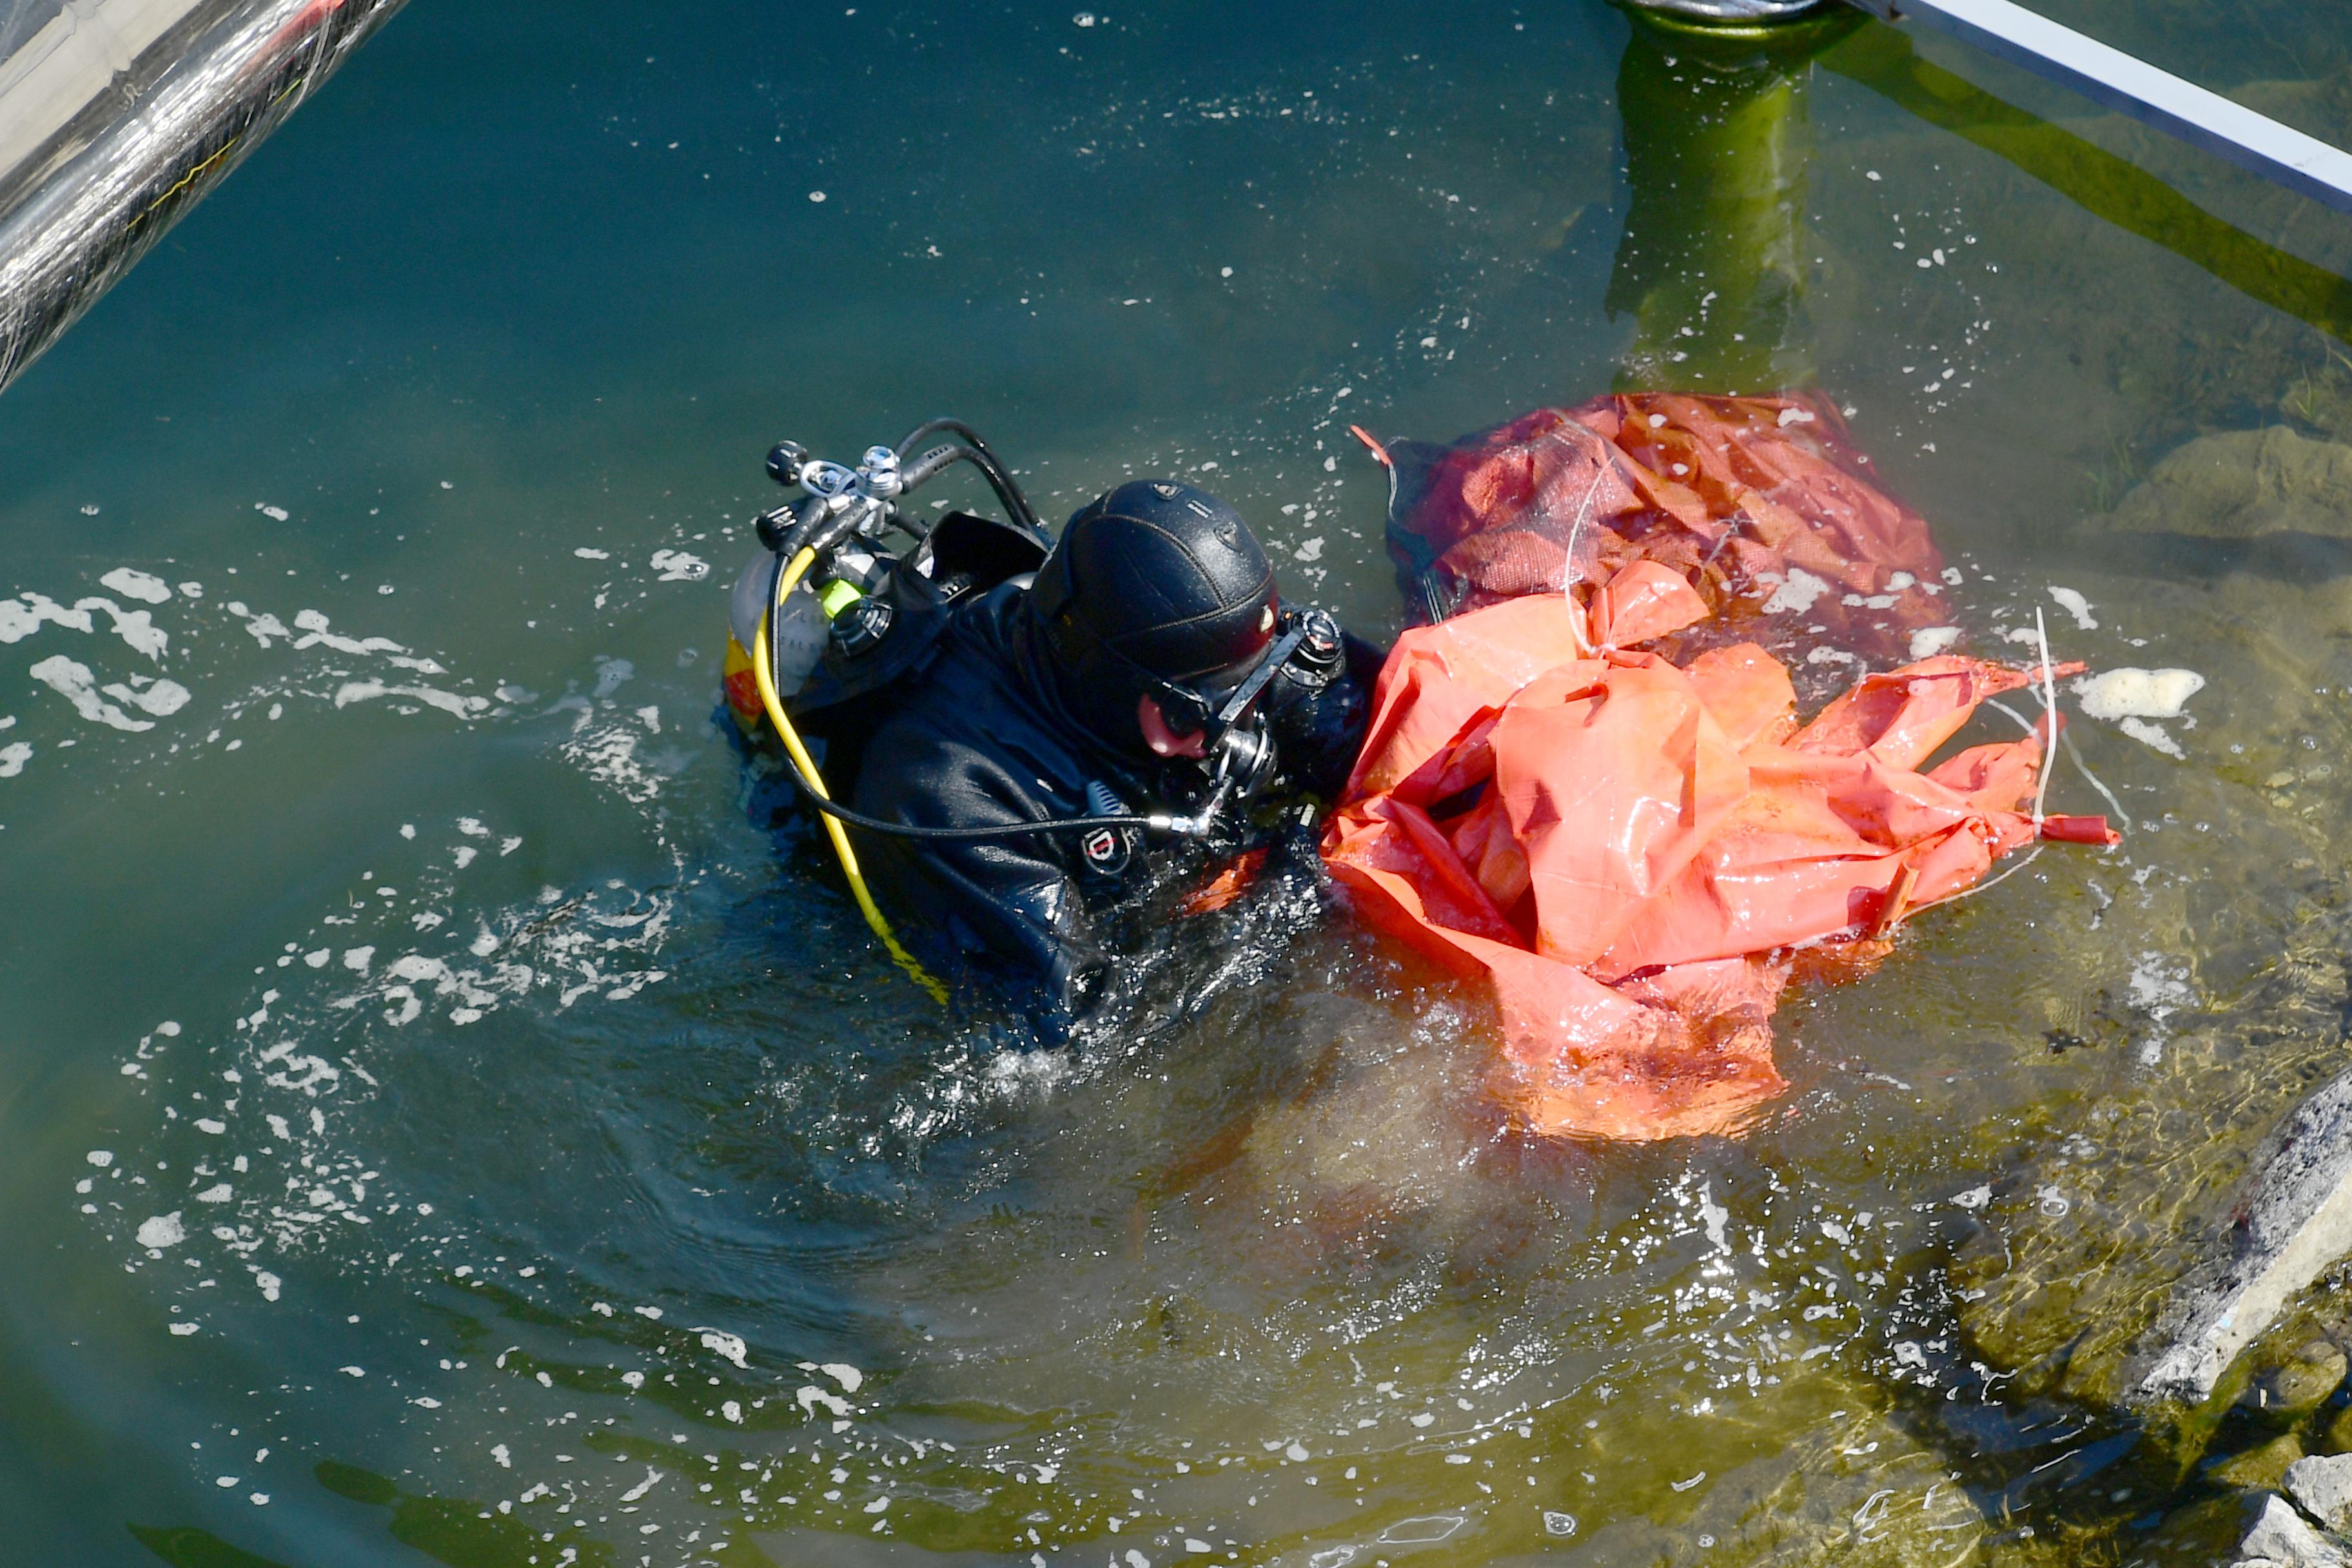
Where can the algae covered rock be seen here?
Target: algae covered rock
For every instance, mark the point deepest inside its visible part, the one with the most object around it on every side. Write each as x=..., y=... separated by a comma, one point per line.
x=2337, y=1432
x=2285, y=1393
x=2243, y=485
x=2263, y=1468
x=1859, y=1490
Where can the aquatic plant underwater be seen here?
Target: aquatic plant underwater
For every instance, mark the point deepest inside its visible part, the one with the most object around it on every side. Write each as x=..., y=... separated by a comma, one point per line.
x=446, y=1121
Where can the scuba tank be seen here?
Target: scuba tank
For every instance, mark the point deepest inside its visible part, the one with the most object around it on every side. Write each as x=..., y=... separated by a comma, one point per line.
x=800, y=635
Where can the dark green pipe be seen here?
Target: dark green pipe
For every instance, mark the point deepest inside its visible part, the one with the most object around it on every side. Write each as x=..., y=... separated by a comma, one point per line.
x=1713, y=259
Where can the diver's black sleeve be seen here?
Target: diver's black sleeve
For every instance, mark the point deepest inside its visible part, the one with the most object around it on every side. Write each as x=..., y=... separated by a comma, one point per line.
x=1012, y=901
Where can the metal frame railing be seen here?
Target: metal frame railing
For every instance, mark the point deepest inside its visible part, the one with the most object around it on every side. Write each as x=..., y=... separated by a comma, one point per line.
x=2123, y=82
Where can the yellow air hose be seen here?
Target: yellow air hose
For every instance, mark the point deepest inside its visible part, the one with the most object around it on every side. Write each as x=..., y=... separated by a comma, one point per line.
x=763, y=671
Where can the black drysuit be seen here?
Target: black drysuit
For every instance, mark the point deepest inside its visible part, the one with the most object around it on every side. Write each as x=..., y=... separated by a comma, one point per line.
x=983, y=734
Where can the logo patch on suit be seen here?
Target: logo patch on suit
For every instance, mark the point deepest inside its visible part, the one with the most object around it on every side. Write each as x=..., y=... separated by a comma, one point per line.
x=1106, y=849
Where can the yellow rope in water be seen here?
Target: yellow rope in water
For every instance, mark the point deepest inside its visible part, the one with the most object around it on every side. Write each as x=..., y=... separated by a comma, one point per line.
x=763, y=673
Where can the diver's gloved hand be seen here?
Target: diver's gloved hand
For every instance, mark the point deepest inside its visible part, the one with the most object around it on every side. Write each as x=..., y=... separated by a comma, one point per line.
x=1320, y=704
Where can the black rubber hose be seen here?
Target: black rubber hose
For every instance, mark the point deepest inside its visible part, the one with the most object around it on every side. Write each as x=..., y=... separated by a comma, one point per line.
x=1000, y=478
x=927, y=467
x=1015, y=504
x=996, y=830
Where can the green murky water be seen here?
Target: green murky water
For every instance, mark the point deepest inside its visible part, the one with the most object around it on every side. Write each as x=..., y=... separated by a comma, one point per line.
x=443, y=1125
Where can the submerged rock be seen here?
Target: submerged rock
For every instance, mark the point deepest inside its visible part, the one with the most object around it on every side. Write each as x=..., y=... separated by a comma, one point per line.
x=2243, y=485
x=2322, y=1488
x=2293, y=1220
x=2284, y=1394
x=1858, y=1490
x=2259, y=1469
x=2337, y=1436
x=2279, y=1535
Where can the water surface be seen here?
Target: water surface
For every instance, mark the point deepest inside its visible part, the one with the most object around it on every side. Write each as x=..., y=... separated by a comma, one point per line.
x=445, y=1123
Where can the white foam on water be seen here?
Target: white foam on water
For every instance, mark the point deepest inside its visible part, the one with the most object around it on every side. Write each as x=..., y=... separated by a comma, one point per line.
x=1713, y=1217
x=1929, y=641
x=608, y=753
x=25, y=613
x=315, y=635
x=810, y=1398
x=131, y=705
x=2075, y=605
x=134, y=584
x=73, y=680
x=262, y=628
x=1795, y=593
x=2129, y=693
x=2154, y=736
x=1014, y=1073
x=450, y=702
x=677, y=566
x=161, y=697
x=136, y=628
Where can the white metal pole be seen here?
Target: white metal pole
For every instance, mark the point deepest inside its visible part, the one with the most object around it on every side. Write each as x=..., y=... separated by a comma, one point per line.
x=2108, y=76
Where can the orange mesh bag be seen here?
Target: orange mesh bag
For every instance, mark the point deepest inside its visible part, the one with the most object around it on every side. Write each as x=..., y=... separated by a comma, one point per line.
x=1636, y=850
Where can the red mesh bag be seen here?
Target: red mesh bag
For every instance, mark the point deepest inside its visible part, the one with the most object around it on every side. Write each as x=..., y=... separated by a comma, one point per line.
x=1755, y=501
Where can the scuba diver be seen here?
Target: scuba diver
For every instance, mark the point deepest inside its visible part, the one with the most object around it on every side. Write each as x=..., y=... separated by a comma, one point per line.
x=1044, y=742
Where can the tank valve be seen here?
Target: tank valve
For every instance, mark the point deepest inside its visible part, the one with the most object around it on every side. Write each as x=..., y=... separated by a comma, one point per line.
x=785, y=459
